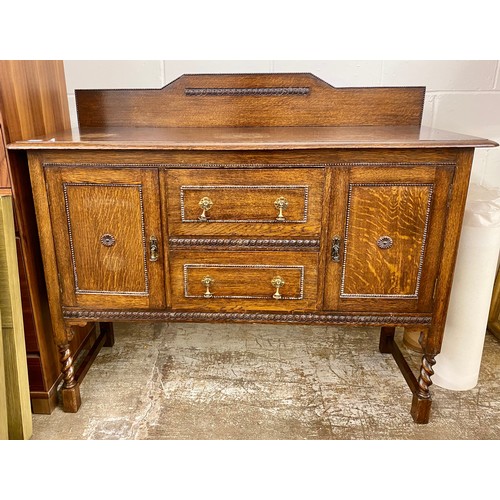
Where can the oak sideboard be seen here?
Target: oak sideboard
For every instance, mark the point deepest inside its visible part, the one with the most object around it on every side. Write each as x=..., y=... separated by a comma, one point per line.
x=272, y=198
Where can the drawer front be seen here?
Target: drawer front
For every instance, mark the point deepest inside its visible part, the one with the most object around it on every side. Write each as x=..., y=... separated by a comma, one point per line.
x=244, y=280
x=281, y=202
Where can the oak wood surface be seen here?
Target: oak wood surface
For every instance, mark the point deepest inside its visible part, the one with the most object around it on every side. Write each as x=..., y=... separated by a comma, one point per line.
x=90, y=205
x=243, y=202
x=247, y=159
x=258, y=138
x=242, y=280
x=252, y=103
x=385, y=238
x=449, y=249
x=406, y=204
x=392, y=192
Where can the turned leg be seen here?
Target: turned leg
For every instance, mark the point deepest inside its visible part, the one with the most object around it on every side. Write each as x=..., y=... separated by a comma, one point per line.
x=386, y=339
x=107, y=329
x=421, y=404
x=70, y=392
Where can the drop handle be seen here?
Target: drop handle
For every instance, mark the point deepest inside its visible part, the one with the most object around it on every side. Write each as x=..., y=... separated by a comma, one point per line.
x=153, y=249
x=207, y=282
x=277, y=282
x=281, y=204
x=205, y=204
x=336, y=249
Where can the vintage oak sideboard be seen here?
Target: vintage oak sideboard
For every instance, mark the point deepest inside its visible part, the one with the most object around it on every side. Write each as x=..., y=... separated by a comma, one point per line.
x=271, y=198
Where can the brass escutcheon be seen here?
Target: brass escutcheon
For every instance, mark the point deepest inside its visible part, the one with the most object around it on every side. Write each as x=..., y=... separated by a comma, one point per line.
x=205, y=204
x=207, y=281
x=277, y=282
x=108, y=240
x=384, y=242
x=281, y=204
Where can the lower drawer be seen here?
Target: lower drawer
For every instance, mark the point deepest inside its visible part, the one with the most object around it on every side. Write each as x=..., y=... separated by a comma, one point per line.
x=241, y=281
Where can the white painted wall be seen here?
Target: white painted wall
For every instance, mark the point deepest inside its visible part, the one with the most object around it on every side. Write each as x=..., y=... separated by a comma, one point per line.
x=462, y=96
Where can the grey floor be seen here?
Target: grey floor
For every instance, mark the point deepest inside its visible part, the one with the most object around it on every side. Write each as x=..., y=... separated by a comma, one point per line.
x=200, y=381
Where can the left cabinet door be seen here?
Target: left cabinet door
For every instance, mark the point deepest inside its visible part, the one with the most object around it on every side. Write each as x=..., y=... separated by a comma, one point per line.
x=107, y=234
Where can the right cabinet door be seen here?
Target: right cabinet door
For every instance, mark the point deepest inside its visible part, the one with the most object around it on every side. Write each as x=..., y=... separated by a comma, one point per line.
x=385, y=234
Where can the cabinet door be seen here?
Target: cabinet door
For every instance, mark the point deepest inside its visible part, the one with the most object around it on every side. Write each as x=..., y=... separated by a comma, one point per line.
x=385, y=236
x=107, y=234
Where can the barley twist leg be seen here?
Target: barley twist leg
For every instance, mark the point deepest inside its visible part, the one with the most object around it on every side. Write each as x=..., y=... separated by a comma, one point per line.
x=421, y=404
x=70, y=392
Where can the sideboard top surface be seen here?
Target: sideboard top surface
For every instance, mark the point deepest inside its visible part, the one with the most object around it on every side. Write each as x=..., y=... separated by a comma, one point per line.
x=251, y=138
x=251, y=112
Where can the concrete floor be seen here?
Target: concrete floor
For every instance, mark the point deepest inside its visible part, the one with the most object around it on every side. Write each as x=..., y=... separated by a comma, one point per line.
x=200, y=381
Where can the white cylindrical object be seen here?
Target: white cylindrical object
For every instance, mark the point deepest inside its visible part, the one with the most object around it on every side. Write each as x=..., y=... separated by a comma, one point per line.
x=457, y=366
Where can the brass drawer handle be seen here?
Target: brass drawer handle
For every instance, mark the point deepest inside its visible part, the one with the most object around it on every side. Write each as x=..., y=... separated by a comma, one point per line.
x=153, y=249
x=277, y=282
x=205, y=204
x=207, y=281
x=281, y=204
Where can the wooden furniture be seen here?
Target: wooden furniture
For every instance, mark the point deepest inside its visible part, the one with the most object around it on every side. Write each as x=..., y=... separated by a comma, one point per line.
x=13, y=360
x=33, y=101
x=252, y=198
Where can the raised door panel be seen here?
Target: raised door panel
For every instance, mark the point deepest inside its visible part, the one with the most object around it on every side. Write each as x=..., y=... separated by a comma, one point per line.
x=108, y=234
x=386, y=239
x=282, y=202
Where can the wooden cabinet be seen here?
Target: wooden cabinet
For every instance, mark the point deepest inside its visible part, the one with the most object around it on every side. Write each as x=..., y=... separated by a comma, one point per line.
x=166, y=207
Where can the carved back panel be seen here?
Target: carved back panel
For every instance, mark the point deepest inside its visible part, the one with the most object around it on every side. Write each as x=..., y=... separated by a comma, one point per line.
x=250, y=100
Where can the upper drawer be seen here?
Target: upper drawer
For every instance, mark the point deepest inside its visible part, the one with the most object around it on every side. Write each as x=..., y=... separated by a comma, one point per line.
x=280, y=202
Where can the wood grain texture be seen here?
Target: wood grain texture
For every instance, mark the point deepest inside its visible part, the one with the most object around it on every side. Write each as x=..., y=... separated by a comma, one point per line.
x=122, y=205
x=250, y=138
x=242, y=280
x=399, y=213
x=322, y=104
x=243, y=202
x=391, y=200
x=33, y=101
x=456, y=205
x=391, y=192
x=47, y=244
x=247, y=159
x=33, y=98
x=14, y=350
x=4, y=168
